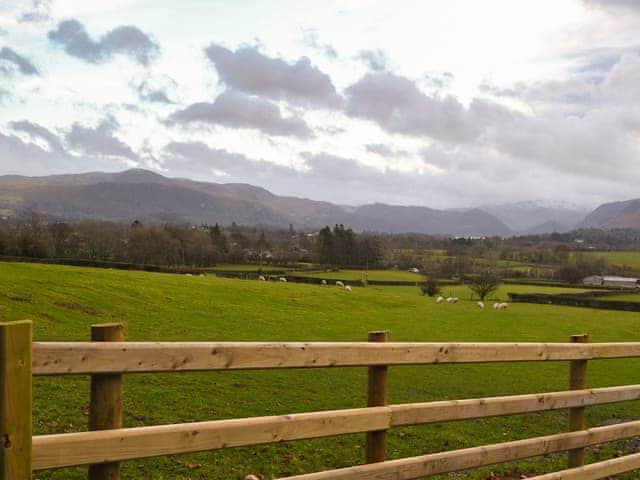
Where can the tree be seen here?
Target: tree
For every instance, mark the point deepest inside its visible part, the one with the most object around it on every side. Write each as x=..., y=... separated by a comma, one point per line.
x=484, y=284
x=430, y=287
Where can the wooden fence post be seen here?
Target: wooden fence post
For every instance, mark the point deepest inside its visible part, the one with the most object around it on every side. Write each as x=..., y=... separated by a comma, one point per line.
x=15, y=400
x=376, y=441
x=577, y=381
x=105, y=409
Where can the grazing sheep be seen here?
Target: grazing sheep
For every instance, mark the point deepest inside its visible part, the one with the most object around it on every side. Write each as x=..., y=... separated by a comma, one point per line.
x=283, y=279
x=439, y=299
x=348, y=288
x=452, y=300
x=262, y=279
x=339, y=284
x=480, y=305
x=188, y=275
x=502, y=306
x=323, y=283
x=495, y=306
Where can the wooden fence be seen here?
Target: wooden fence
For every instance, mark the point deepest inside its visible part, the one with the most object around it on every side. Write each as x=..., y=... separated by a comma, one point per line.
x=107, y=357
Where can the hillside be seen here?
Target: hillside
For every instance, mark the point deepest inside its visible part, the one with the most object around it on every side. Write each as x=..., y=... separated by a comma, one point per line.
x=615, y=215
x=534, y=217
x=144, y=195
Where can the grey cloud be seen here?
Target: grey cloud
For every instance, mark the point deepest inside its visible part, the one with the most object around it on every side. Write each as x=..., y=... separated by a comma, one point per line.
x=153, y=93
x=237, y=110
x=26, y=158
x=376, y=60
x=398, y=106
x=37, y=11
x=631, y=5
x=310, y=38
x=249, y=70
x=37, y=131
x=99, y=140
x=125, y=40
x=385, y=150
x=16, y=60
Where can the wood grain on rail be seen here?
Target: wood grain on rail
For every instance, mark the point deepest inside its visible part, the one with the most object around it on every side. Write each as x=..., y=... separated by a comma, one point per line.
x=68, y=358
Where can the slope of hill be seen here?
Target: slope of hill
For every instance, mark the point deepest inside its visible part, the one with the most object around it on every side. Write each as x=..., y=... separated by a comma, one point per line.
x=615, y=215
x=537, y=217
x=144, y=195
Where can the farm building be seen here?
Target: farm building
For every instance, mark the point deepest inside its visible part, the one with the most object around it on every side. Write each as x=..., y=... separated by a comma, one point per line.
x=611, y=281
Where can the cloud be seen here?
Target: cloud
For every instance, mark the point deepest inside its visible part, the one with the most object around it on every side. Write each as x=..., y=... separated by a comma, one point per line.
x=124, y=40
x=376, y=60
x=385, y=150
x=10, y=59
x=237, y=110
x=250, y=71
x=37, y=131
x=630, y=5
x=37, y=11
x=397, y=105
x=310, y=39
x=99, y=140
x=153, y=93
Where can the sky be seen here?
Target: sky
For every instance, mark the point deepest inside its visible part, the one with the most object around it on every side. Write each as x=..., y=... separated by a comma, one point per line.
x=440, y=103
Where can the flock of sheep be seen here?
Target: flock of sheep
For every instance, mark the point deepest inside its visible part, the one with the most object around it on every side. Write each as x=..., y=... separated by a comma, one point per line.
x=496, y=306
x=322, y=282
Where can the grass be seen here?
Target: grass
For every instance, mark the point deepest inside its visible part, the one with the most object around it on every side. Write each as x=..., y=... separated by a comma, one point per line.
x=395, y=275
x=629, y=259
x=64, y=301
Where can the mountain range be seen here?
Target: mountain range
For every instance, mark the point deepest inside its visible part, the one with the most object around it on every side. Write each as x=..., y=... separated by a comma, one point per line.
x=148, y=196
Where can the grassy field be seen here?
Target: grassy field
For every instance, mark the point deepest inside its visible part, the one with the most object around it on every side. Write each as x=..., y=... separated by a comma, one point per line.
x=64, y=301
x=396, y=275
x=622, y=259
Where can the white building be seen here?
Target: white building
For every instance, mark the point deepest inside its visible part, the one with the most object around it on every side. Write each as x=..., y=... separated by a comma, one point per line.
x=611, y=281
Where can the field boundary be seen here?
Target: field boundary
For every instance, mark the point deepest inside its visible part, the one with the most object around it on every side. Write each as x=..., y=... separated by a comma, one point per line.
x=107, y=357
x=586, y=300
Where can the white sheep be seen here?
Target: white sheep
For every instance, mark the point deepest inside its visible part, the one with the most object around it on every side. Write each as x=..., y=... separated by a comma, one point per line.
x=502, y=306
x=439, y=299
x=262, y=279
x=480, y=305
x=348, y=288
x=188, y=275
x=452, y=300
x=495, y=305
x=283, y=279
x=323, y=283
x=339, y=284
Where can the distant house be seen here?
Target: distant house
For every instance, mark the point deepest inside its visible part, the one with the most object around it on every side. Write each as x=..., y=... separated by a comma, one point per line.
x=611, y=281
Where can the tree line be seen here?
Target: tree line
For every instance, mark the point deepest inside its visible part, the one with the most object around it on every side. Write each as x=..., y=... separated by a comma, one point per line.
x=35, y=236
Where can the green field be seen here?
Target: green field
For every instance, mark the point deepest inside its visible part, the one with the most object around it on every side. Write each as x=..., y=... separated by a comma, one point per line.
x=64, y=301
x=394, y=275
x=622, y=259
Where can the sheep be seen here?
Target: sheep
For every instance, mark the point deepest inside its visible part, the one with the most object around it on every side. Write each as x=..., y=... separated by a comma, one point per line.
x=262, y=279
x=188, y=275
x=339, y=284
x=439, y=299
x=452, y=300
x=495, y=305
x=502, y=306
x=480, y=305
x=323, y=283
x=348, y=288
x=283, y=279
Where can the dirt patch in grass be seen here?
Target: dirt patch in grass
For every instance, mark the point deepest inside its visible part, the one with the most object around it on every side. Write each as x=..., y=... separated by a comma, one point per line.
x=16, y=297
x=78, y=307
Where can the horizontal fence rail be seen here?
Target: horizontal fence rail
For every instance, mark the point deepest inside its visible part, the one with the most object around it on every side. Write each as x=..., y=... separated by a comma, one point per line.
x=107, y=444
x=74, y=358
x=475, y=457
x=596, y=471
x=69, y=449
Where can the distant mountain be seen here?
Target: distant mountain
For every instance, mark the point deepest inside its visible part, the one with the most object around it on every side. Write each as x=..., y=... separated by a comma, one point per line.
x=534, y=217
x=148, y=196
x=615, y=215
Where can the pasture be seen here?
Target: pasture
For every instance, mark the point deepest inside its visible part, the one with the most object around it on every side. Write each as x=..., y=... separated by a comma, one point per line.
x=629, y=259
x=64, y=301
x=346, y=274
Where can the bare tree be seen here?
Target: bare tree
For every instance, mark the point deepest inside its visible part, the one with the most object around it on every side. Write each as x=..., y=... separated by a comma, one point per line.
x=484, y=284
